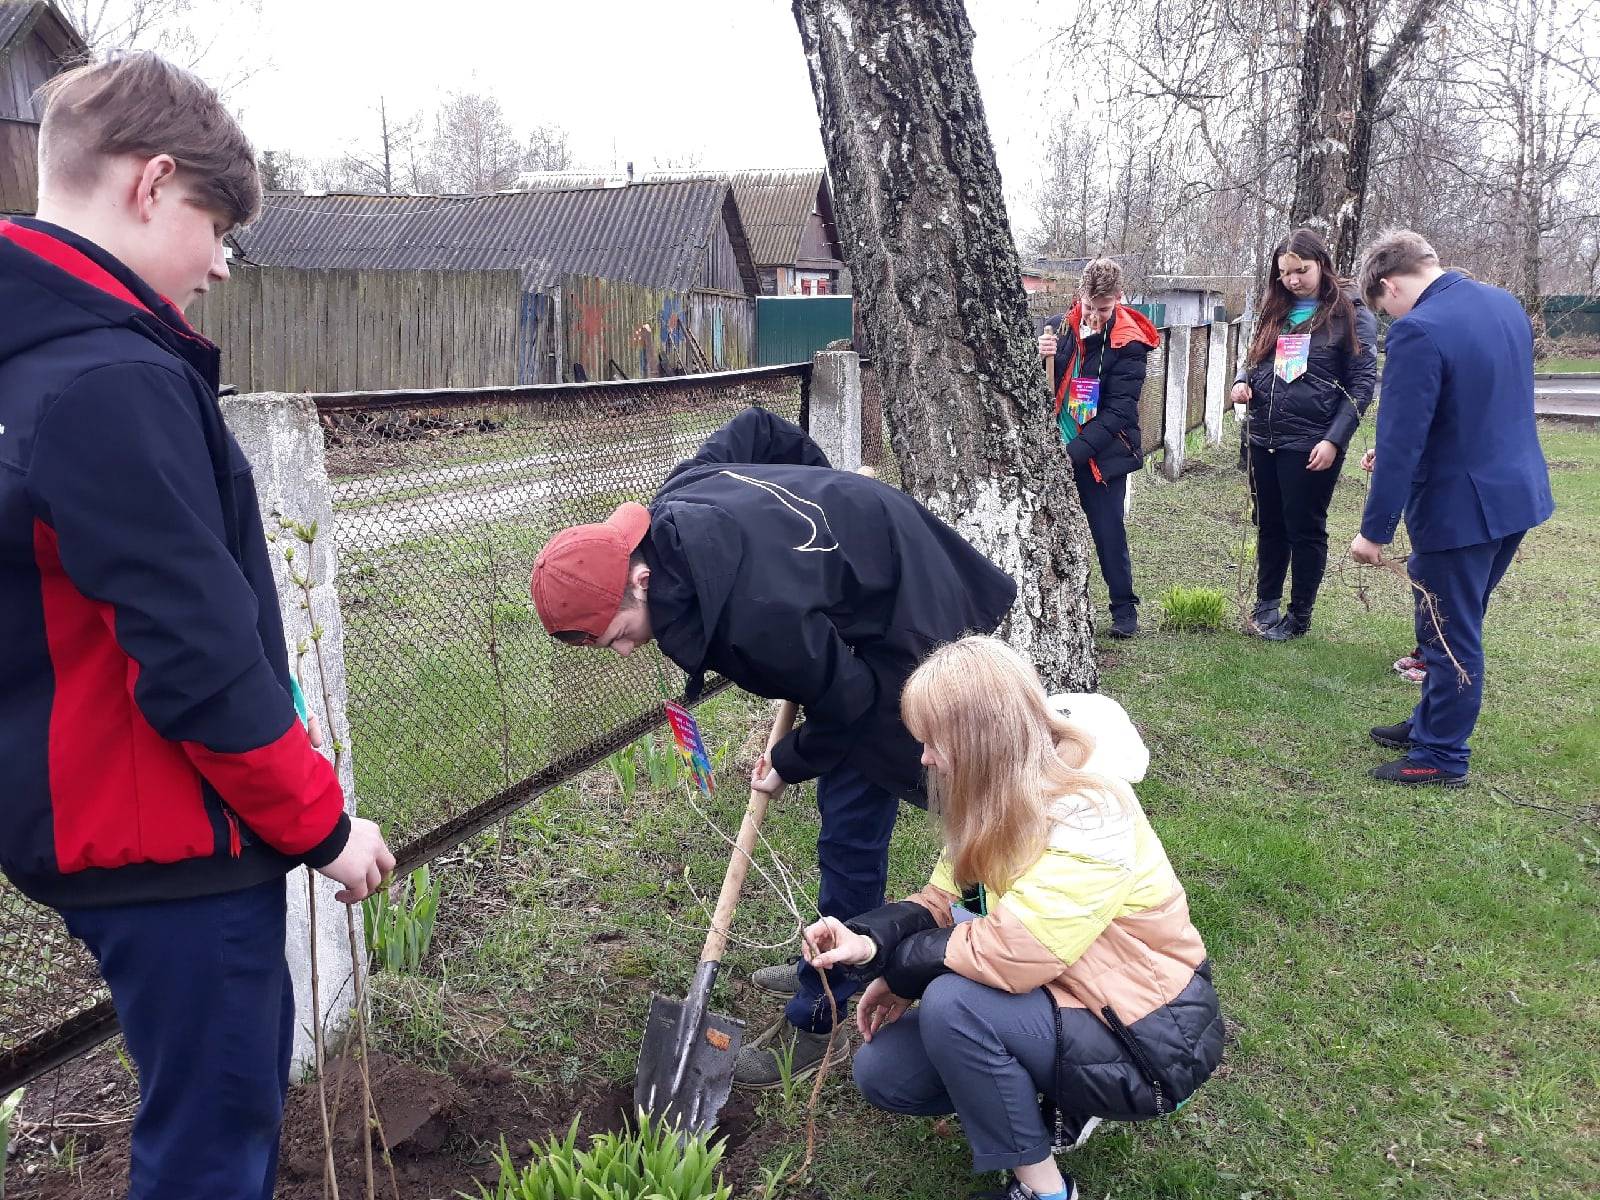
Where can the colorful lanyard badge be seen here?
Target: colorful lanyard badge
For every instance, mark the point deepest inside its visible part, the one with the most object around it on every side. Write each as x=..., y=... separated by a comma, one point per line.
x=1082, y=398
x=686, y=736
x=1293, y=356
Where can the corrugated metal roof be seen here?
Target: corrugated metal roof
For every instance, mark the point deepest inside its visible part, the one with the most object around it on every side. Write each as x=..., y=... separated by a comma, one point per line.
x=655, y=234
x=773, y=204
x=566, y=181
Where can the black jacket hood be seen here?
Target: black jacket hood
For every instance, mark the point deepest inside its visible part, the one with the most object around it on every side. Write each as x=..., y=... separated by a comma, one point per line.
x=55, y=284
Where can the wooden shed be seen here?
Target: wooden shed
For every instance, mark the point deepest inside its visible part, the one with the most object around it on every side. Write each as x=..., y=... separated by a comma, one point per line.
x=626, y=281
x=36, y=42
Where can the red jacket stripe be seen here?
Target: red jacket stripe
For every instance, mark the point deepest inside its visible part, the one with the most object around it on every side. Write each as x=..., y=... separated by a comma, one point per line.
x=122, y=792
x=261, y=786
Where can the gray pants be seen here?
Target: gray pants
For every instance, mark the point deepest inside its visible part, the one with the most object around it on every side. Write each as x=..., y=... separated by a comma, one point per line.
x=978, y=1052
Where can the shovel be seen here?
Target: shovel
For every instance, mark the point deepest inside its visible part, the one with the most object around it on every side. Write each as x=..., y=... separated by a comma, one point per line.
x=686, y=1060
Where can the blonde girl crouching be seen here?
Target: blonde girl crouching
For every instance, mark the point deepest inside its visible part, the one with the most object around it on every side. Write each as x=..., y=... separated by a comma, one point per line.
x=1051, y=954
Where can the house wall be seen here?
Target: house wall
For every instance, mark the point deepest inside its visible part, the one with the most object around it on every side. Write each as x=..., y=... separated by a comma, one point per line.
x=720, y=270
x=19, y=177
x=26, y=69
x=1184, y=307
x=814, y=243
x=616, y=330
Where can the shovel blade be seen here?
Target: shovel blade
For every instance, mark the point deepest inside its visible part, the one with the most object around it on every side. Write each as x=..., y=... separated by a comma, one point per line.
x=698, y=1060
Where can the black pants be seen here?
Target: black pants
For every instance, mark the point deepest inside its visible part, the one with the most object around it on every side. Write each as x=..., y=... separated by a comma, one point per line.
x=1102, y=508
x=1291, y=506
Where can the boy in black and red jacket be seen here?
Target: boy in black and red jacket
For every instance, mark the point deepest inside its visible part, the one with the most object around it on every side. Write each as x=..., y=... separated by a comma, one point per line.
x=157, y=785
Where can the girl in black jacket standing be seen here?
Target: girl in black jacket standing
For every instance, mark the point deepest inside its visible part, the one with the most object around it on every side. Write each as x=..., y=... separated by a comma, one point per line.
x=1099, y=375
x=1308, y=380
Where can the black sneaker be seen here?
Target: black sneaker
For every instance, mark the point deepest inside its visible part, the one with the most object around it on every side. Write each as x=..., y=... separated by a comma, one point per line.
x=1411, y=774
x=1292, y=626
x=1124, y=625
x=1015, y=1189
x=1264, y=616
x=1395, y=737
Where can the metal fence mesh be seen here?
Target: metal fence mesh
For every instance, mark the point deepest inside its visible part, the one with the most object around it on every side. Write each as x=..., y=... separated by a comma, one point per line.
x=457, y=698
x=461, y=708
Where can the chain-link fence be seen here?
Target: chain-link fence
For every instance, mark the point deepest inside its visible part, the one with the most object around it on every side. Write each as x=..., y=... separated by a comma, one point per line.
x=460, y=707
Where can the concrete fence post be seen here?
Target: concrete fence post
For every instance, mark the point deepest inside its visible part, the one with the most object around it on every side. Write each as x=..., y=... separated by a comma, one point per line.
x=1217, y=376
x=836, y=406
x=1177, y=406
x=1247, y=334
x=282, y=438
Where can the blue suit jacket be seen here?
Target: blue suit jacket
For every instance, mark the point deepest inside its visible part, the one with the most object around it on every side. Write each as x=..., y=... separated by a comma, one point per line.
x=1458, y=451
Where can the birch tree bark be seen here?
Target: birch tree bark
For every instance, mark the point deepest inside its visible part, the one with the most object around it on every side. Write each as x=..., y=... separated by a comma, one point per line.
x=1342, y=94
x=939, y=297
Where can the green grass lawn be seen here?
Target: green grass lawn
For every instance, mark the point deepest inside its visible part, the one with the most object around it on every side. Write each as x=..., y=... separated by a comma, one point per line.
x=1565, y=365
x=1411, y=980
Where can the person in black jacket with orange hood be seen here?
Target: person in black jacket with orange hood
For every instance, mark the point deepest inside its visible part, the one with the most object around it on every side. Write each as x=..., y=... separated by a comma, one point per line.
x=759, y=561
x=1308, y=380
x=1099, y=373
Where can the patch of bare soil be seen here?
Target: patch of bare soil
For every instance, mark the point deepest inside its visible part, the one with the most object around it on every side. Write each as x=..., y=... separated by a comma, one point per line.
x=443, y=1130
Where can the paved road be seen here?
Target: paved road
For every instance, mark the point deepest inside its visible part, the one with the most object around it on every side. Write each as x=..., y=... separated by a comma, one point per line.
x=1576, y=397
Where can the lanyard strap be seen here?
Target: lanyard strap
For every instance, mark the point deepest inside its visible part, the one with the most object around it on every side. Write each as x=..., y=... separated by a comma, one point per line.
x=1081, y=353
x=661, y=678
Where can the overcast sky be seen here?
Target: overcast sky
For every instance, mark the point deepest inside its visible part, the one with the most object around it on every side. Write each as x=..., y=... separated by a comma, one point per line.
x=630, y=79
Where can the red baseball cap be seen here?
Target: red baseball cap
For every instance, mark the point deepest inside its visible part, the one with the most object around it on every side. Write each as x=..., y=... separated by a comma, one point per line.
x=581, y=574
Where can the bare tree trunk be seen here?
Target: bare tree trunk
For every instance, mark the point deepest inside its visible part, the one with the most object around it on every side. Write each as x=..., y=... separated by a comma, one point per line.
x=937, y=283
x=1332, y=62
x=1537, y=157
x=1341, y=102
x=388, y=150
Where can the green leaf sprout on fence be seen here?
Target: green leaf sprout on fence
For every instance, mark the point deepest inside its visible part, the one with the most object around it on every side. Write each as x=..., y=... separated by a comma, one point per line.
x=647, y=1163
x=8, y=1110
x=1193, y=608
x=399, y=922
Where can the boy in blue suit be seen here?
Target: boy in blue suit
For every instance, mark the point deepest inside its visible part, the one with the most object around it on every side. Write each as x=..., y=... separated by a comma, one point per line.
x=1458, y=455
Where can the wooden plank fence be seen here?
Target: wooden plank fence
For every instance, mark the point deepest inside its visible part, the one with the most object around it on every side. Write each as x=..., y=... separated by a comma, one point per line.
x=285, y=329
x=616, y=330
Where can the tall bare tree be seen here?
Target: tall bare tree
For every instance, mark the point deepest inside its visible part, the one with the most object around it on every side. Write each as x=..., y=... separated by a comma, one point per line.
x=172, y=28
x=386, y=163
x=1067, y=202
x=284, y=171
x=548, y=149
x=1263, y=110
x=474, y=148
x=938, y=291
x=1532, y=85
x=1343, y=90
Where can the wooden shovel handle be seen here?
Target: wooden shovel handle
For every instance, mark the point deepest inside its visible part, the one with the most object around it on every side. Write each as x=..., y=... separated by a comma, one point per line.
x=739, y=864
